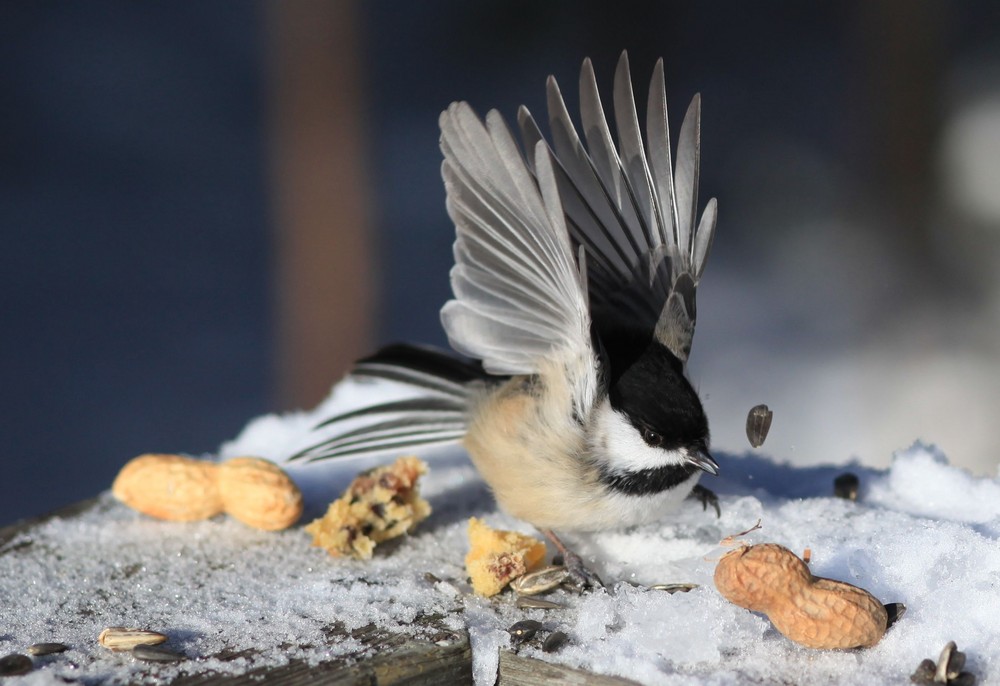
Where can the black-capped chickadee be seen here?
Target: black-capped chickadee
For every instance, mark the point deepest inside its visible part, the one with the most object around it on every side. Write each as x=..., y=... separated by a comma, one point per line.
x=576, y=263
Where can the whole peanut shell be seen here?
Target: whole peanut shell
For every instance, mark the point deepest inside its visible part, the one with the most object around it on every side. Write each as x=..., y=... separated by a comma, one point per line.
x=810, y=610
x=183, y=489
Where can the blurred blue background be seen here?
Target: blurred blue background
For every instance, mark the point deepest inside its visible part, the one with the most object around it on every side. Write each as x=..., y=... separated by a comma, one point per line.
x=147, y=214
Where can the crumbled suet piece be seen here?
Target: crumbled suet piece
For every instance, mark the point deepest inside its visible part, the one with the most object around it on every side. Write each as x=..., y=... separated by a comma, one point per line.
x=380, y=504
x=498, y=557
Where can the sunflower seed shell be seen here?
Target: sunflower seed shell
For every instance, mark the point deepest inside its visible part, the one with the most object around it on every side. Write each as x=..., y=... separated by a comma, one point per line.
x=540, y=581
x=554, y=642
x=152, y=653
x=527, y=602
x=39, y=649
x=15, y=664
x=127, y=638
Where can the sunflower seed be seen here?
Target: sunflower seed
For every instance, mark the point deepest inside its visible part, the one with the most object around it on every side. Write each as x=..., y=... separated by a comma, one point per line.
x=154, y=653
x=15, y=664
x=941, y=675
x=47, y=648
x=846, y=486
x=529, y=603
x=126, y=638
x=948, y=669
x=540, y=581
x=673, y=588
x=758, y=424
x=524, y=630
x=956, y=663
x=554, y=642
x=895, y=612
x=925, y=672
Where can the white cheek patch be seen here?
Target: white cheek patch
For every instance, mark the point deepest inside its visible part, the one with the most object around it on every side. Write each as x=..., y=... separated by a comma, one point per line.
x=620, y=445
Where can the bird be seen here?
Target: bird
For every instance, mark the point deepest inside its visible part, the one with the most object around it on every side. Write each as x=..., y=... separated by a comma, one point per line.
x=576, y=266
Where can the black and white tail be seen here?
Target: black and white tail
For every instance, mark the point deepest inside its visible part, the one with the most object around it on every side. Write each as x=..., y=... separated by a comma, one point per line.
x=435, y=412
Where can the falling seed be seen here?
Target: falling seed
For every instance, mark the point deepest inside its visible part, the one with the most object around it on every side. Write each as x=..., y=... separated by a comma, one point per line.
x=673, y=588
x=540, y=581
x=15, y=664
x=524, y=630
x=846, y=486
x=526, y=602
x=126, y=638
x=47, y=648
x=758, y=424
x=554, y=642
x=154, y=653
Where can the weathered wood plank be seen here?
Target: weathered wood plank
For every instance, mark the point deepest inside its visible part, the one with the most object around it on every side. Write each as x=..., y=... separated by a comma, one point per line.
x=445, y=657
x=516, y=670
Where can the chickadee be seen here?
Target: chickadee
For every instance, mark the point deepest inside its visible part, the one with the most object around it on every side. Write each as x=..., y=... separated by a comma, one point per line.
x=576, y=264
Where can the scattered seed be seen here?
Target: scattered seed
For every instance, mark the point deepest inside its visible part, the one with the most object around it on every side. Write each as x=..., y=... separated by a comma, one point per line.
x=154, y=653
x=126, y=638
x=529, y=603
x=944, y=671
x=554, y=642
x=673, y=588
x=47, y=648
x=15, y=664
x=895, y=612
x=846, y=486
x=540, y=581
x=524, y=630
x=948, y=669
x=758, y=424
x=925, y=672
x=431, y=578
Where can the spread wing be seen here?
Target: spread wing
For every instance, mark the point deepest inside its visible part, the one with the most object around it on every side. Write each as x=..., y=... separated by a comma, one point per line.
x=520, y=295
x=631, y=211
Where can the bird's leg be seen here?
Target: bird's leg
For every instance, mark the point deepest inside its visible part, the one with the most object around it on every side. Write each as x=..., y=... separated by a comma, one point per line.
x=578, y=571
x=706, y=497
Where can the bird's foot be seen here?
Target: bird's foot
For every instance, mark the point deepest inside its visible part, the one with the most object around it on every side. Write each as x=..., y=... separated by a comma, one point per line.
x=706, y=497
x=579, y=573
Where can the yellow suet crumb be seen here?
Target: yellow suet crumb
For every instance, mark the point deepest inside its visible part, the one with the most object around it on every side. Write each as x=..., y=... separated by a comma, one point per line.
x=498, y=557
x=380, y=504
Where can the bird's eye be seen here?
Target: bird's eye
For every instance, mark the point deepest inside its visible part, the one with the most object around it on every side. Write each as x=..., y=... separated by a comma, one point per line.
x=652, y=438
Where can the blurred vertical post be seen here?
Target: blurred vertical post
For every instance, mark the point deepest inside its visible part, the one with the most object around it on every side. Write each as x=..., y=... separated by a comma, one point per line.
x=903, y=41
x=324, y=264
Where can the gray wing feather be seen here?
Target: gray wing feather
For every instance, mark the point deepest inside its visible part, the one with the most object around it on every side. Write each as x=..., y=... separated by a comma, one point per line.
x=519, y=293
x=629, y=208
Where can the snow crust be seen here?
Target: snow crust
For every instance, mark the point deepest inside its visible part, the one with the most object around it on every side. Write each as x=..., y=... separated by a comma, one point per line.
x=922, y=533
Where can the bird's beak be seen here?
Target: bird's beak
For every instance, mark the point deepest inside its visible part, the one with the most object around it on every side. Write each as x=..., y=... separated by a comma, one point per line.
x=703, y=461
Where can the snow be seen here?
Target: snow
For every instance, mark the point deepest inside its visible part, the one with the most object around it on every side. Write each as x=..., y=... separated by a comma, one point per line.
x=922, y=532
